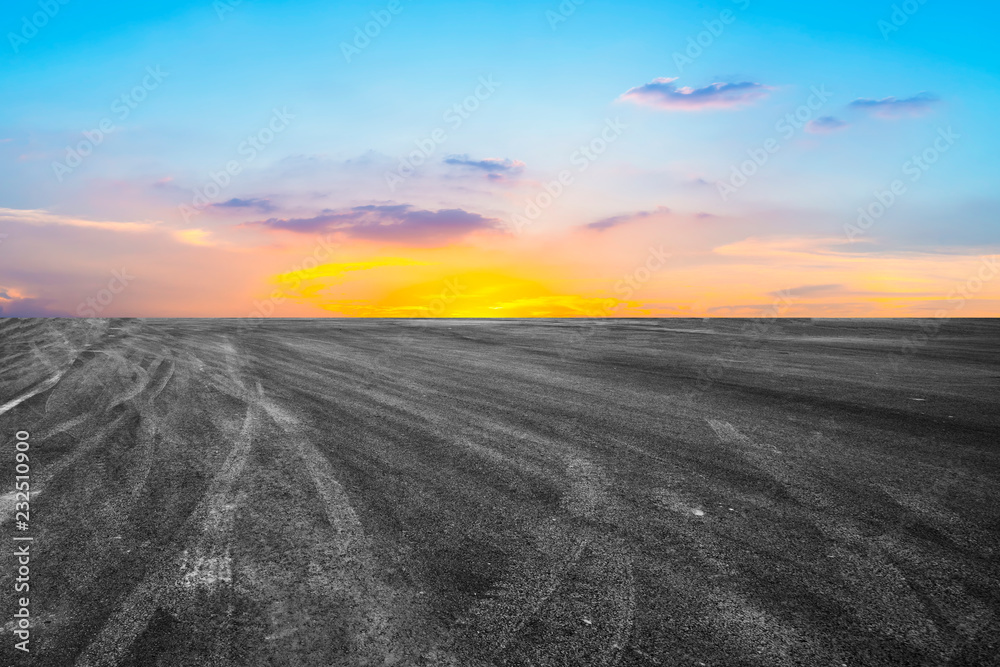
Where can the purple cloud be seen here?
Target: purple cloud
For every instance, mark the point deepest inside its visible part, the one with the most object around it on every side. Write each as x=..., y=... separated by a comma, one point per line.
x=808, y=290
x=825, y=125
x=262, y=205
x=14, y=306
x=491, y=165
x=663, y=94
x=890, y=107
x=608, y=223
x=390, y=222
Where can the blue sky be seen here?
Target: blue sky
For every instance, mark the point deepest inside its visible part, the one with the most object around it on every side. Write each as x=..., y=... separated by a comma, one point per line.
x=227, y=68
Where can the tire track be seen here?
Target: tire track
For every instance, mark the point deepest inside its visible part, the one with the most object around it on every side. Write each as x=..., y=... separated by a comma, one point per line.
x=204, y=565
x=513, y=597
x=151, y=425
x=729, y=435
x=593, y=583
x=147, y=430
x=41, y=387
x=624, y=599
x=83, y=447
x=379, y=619
x=211, y=560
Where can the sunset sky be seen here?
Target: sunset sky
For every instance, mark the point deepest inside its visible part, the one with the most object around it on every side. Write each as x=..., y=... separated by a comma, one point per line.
x=515, y=159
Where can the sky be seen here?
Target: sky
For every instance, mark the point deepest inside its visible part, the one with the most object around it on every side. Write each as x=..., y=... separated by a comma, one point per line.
x=582, y=158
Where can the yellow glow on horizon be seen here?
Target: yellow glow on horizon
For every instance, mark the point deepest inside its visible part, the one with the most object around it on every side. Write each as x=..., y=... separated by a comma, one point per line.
x=335, y=270
x=786, y=277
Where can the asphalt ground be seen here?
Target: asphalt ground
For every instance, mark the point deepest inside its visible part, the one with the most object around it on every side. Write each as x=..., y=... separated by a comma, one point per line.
x=494, y=492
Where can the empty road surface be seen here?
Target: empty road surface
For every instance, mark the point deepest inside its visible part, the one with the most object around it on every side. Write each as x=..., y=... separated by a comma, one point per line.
x=473, y=493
